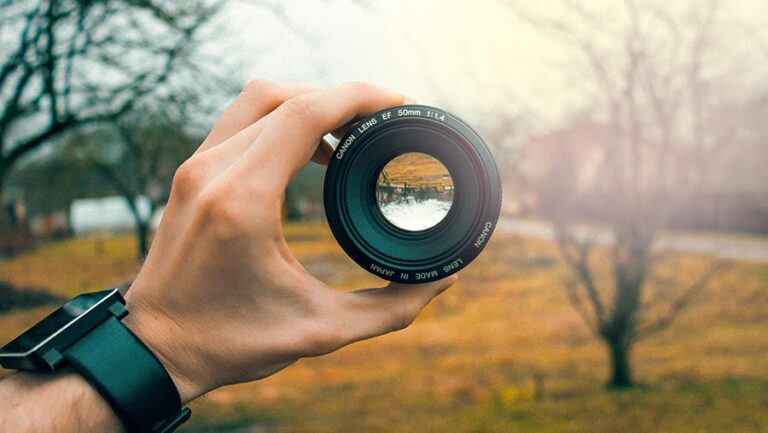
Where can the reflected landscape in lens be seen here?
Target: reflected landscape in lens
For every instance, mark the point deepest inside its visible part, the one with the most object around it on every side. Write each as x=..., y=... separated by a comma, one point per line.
x=414, y=191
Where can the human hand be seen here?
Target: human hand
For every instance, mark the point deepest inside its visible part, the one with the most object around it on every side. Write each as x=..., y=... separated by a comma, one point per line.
x=220, y=298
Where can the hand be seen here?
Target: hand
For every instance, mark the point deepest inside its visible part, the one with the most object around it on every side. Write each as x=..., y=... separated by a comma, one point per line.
x=220, y=298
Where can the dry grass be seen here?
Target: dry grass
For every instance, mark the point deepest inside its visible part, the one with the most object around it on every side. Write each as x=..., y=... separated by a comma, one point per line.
x=501, y=351
x=415, y=169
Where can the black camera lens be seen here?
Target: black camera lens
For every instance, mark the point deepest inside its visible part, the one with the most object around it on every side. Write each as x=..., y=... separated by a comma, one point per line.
x=412, y=194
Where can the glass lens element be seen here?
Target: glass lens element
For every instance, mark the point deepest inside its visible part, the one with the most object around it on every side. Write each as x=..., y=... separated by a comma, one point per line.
x=414, y=191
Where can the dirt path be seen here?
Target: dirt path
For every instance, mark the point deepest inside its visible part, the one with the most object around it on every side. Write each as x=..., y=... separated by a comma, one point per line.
x=728, y=246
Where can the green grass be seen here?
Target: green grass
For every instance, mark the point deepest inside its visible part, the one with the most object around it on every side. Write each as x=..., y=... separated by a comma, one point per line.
x=502, y=351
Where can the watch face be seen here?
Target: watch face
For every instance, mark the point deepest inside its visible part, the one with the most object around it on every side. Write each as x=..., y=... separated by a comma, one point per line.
x=55, y=323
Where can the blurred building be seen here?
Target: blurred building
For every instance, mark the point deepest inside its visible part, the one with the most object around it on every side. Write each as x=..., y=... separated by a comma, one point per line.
x=563, y=171
x=15, y=234
x=107, y=214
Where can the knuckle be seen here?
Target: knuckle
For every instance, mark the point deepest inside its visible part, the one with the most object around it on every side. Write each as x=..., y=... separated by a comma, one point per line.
x=221, y=213
x=188, y=178
x=359, y=86
x=259, y=87
x=302, y=107
x=262, y=91
x=231, y=208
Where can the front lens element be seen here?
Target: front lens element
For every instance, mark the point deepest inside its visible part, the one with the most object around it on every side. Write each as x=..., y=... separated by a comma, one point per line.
x=414, y=191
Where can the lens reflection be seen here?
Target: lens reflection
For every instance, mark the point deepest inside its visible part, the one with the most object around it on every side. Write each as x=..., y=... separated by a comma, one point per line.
x=414, y=191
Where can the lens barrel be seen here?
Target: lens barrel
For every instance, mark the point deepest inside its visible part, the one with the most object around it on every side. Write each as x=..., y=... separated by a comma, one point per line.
x=368, y=237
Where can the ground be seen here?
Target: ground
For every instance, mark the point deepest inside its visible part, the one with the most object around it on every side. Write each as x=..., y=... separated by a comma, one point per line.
x=502, y=351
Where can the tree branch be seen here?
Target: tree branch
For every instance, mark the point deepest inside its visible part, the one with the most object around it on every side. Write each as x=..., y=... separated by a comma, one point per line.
x=110, y=175
x=59, y=127
x=681, y=303
x=576, y=254
x=16, y=59
x=56, y=35
x=572, y=291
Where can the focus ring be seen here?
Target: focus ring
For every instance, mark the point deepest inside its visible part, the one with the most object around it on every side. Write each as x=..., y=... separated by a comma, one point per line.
x=384, y=249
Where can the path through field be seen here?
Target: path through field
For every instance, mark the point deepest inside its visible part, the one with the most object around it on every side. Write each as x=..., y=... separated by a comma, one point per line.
x=725, y=246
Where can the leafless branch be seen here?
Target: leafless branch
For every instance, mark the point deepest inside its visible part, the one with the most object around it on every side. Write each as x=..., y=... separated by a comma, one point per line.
x=678, y=305
x=589, y=319
x=576, y=254
x=44, y=79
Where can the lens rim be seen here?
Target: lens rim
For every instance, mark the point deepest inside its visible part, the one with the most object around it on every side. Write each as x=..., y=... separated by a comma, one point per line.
x=378, y=245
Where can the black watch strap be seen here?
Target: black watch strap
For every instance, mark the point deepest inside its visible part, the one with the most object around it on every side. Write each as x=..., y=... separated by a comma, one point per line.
x=129, y=376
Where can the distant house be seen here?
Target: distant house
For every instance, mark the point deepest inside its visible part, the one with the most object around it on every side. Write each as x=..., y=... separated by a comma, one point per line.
x=562, y=161
x=106, y=214
x=15, y=234
x=563, y=171
x=50, y=225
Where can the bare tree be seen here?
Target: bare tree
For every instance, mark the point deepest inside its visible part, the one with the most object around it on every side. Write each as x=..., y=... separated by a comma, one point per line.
x=65, y=63
x=663, y=122
x=137, y=156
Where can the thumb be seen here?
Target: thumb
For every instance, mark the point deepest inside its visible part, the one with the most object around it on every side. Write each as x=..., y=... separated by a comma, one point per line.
x=374, y=312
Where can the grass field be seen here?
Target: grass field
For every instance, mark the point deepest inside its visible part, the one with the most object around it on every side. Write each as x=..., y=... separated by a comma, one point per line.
x=415, y=169
x=502, y=351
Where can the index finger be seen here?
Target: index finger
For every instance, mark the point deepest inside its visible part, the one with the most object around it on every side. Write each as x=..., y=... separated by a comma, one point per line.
x=257, y=99
x=297, y=126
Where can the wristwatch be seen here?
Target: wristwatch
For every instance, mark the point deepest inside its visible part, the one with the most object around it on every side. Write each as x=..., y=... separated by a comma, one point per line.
x=86, y=335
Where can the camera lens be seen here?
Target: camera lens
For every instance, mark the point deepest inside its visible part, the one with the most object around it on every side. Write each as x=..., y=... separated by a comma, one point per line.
x=412, y=193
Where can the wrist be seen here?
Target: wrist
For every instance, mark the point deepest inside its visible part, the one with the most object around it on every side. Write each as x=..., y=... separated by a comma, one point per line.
x=162, y=336
x=70, y=402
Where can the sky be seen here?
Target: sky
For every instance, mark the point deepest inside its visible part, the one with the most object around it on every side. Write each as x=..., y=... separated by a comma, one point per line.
x=477, y=58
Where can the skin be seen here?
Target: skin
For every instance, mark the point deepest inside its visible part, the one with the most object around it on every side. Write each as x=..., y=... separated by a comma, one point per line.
x=220, y=298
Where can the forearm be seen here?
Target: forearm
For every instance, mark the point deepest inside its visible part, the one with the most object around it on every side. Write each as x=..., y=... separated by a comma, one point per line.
x=47, y=403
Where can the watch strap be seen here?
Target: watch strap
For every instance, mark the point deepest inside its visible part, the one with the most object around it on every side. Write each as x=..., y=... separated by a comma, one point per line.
x=129, y=377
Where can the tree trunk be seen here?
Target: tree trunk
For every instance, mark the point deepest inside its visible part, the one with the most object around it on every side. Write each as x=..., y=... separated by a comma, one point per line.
x=621, y=371
x=142, y=237
x=4, y=170
x=142, y=226
x=5, y=224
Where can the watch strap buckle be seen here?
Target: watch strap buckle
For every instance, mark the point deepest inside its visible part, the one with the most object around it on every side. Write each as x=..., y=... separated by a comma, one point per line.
x=171, y=424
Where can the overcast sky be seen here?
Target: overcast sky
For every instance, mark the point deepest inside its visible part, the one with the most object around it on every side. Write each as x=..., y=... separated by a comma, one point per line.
x=475, y=57
x=442, y=53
